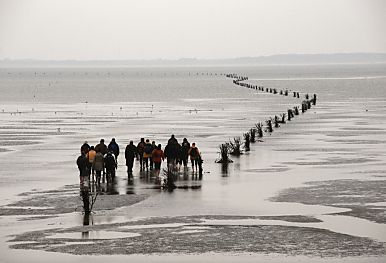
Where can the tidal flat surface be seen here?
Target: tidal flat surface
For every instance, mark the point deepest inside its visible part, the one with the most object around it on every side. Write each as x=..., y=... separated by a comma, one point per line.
x=313, y=190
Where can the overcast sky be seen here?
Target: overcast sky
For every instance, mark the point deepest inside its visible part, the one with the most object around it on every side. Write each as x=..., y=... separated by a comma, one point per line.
x=170, y=29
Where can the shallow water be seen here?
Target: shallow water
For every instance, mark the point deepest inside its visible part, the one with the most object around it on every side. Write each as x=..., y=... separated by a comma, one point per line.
x=342, y=137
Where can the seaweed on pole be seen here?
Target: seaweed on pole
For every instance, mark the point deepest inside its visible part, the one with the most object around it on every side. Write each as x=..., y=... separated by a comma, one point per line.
x=314, y=100
x=259, y=128
x=88, y=198
x=304, y=106
x=167, y=181
x=235, y=146
x=269, y=126
x=296, y=110
x=283, y=116
x=252, y=132
x=308, y=104
x=276, y=121
x=247, y=141
x=224, y=154
x=290, y=114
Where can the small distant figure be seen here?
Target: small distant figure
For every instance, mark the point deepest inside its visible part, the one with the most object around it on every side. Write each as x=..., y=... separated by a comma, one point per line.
x=158, y=158
x=58, y=130
x=171, y=152
x=153, y=147
x=140, y=150
x=85, y=147
x=101, y=147
x=114, y=147
x=130, y=153
x=179, y=155
x=98, y=166
x=172, y=139
x=194, y=154
x=147, y=151
x=110, y=165
x=82, y=166
x=90, y=161
x=184, y=154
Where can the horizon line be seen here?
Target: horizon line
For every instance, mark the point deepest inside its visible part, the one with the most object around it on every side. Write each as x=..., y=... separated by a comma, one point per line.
x=193, y=58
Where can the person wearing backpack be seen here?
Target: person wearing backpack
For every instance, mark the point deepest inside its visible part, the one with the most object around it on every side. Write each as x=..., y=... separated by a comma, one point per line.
x=171, y=153
x=184, y=151
x=101, y=147
x=90, y=158
x=111, y=165
x=147, y=150
x=194, y=154
x=153, y=147
x=85, y=147
x=81, y=162
x=158, y=157
x=98, y=166
x=140, y=149
x=114, y=147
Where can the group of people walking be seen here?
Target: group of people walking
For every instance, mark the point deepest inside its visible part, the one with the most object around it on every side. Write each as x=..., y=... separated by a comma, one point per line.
x=100, y=161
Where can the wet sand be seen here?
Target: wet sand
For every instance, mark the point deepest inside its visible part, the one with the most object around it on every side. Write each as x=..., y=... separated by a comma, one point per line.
x=311, y=190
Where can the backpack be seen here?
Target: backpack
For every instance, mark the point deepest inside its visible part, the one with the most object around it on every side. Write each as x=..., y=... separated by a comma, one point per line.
x=140, y=147
x=110, y=161
x=148, y=149
x=194, y=152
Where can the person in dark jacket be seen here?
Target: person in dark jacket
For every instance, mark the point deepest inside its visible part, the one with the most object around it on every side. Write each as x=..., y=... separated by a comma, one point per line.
x=130, y=153
x=153, y=147
x=140, y=150
x=82, y=166
x=114, y=147
x=195, y=156
x=171, y=153
x=110, y=165
x=85, y=147
x=101, y=147
x=172, y=140
x=147, y=150
x=158, y=157
x=184, y=151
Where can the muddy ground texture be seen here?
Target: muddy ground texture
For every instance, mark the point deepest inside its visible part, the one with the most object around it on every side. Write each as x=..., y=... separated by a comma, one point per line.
x=197, y=234
x=365, y=198
x=192, y=235
x=43, y=204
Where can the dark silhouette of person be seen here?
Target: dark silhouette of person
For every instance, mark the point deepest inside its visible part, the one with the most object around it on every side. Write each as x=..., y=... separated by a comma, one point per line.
x=101, y=147
x=111, y=165
x=130, y=153
x=82, y=166
x=85, y=147
x=114, y=147
x=140, y=150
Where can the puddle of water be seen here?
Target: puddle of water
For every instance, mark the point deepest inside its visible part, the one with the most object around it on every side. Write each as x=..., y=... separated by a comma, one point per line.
x=94, y=235
x=353, y=226
x=172, y=225
x=188, y=232
x=340, y=224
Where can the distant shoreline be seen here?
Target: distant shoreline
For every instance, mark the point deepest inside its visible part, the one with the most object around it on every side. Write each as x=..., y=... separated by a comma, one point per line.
x=273, y=60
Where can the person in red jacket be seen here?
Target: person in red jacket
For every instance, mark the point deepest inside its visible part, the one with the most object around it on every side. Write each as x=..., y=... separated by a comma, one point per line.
x=158, y=156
